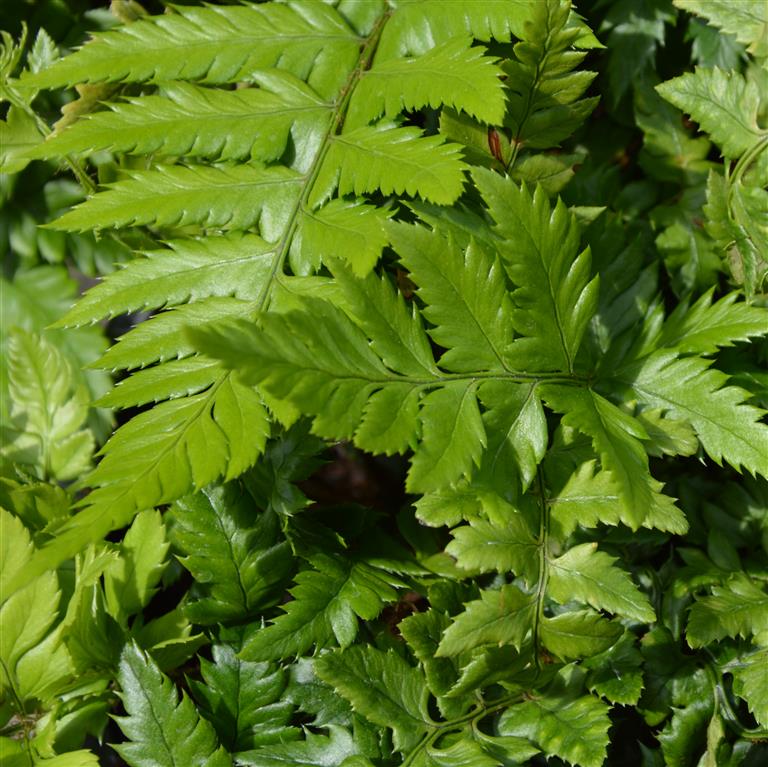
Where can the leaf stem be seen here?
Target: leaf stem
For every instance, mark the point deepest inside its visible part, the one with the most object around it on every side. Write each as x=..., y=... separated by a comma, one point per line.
x=364, y=61
x=724, y=706
x=473, y=717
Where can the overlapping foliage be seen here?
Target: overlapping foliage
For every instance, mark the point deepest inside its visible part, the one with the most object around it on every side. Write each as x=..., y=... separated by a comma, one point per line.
x=387, y=225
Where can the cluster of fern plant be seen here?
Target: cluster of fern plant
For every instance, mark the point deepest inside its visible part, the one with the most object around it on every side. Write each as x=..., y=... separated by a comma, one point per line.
x=516, y=251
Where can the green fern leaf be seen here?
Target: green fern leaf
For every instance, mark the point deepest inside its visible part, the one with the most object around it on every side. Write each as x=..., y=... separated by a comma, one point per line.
x=423, y=631
x=724, y=104
x=749, y=212
x=452, y=73
x=543, y=93
x=228, y=44
x=418, y=22
x=590, y=499
x=417, y=25
x=48, y=407
x=337, y=749
x=738, y=608
x=573, y=727
x=381, y=687
x=332, y=383
x=19, y=136
x=392, y=159
x=396, y=332
x=27, y=612
x=353, y=231
x=692, y=391
x=578, y=634
x=750, y=681
x=616, y=437
x=502, y=617
x=464, y=751
x=161, y=338
x=189, y=270
x=15, y=753
x=488, y=666
x=736, y=221
x=466, y=297
x=170, y=380
x=746, y=20
x=250, y=123
x=617, y=675
x=132, y=580
x=242, y=701
x=390, y=422
x=337, y=384
x=156, y=457
x=326, y=604
x=485, y=547
x=239, y=560
x=161, y=731
x=589, y=575
x=517, y=431
x=452, y=438
x=16, y=550
x=555, y=298
x=705, y=327
x=236, y=197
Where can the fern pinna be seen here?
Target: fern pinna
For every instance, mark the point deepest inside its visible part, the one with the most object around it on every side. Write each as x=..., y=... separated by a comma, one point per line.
x=282, y=166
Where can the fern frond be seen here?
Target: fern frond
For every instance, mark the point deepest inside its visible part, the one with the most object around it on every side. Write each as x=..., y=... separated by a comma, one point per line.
x=169, y=380
x=391, y=159
x=452, y=73
x=616, y=437
x=724, y=104
x=466, y=296
x=555, y=298
x=737, y=608
x=737, y=222
x=42, y=427
x=747, y=21
x=566, y=723
x=485, y=547
x=728, y=428
x=189, y=270
x=452, y=441
x=578, y=634
x=160, y=338
x=543, y=91
x=503, y=616
x=352, y=230
x=221, y=45
x=193, y=121
x=243, y=701
x=327, y=601
x=321, y=355
x=589, y=498
x=396, y=333
x=161, y=730
x=311, y=750
x=311, y=69
x=590, y=576
x=177, y=445
x=322, y=363
x=239, y=560
x=383, y=687
x=132, y=581
x=705, y=327
x=237, y=197
x=517, y=432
